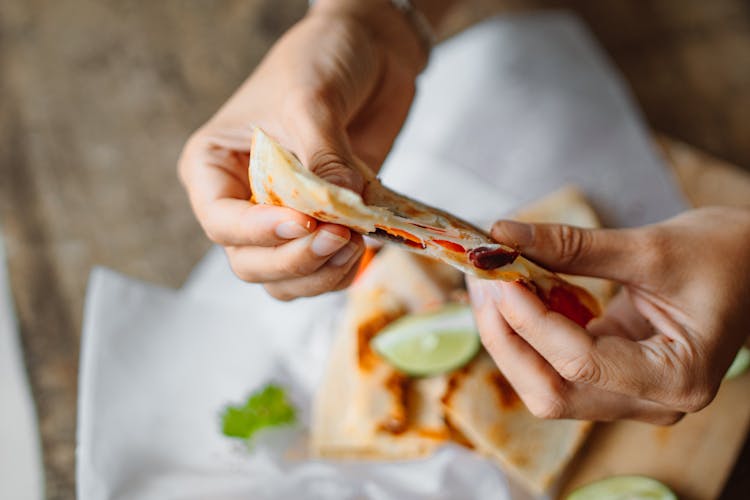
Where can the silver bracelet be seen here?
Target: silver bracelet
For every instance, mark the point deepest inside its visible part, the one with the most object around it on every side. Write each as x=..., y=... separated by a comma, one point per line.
x=418, y=21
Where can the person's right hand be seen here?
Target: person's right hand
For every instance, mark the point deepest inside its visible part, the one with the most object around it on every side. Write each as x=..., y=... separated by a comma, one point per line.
x=662, y=345
x=335, y=90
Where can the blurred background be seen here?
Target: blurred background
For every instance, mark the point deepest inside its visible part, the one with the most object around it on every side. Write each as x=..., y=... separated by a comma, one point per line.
x=97, y=98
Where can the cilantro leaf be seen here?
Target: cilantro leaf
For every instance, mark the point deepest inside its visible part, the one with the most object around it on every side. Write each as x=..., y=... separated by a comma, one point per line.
x=267, y=407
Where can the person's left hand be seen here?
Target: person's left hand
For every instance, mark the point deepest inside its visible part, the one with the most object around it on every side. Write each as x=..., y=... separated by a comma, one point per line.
x=335, y=90
x=663, y=344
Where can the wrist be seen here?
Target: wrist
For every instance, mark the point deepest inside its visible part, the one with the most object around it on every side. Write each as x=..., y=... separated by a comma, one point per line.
x=389, y=26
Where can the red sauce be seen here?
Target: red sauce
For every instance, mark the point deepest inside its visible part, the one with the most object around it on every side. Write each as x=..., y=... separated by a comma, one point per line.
x=367, y=257
x=487, y=258
x=366, y=330
x=453, y=247
x=400, y=236
x=567, y=303
x=436, y=434
x=397, y=421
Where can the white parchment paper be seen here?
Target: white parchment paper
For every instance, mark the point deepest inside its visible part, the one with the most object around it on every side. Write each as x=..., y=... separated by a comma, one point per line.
x=21, y=474
x=506, y=112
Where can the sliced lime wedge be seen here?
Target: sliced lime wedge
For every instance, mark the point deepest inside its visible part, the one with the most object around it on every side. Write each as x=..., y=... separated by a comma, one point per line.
x=740, y=364
x=624, y=488
x=429, y=343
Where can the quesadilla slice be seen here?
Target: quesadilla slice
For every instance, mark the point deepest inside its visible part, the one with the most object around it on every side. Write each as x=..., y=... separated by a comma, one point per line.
x=569, y=206
x=365, y=408
x=278, y=178
x=484, y=407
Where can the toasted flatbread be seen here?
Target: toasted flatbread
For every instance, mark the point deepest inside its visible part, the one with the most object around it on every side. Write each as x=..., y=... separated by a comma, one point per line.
x=365, y=408
x=484, y=407
x=278, y=178
x=474, y=406
x=568, y=205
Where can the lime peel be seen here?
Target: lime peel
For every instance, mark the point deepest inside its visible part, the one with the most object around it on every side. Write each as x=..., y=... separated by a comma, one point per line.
x=624, y=488
x=429, y=343
x=740, y=364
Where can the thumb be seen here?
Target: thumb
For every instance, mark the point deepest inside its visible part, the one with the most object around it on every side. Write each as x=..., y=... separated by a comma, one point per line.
x=325, y=150
x=615, y=254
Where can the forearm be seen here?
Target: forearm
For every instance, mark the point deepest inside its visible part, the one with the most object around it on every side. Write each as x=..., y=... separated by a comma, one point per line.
x=388, y=24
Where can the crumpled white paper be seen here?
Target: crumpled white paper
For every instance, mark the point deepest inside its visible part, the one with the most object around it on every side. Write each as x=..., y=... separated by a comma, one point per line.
x=158, y=366
x=507, y=112
x=525, y=104
x=21, y=474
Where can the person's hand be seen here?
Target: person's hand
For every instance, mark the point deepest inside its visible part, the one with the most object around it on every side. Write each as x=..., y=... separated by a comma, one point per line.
x=335, y=90
x=661, y=347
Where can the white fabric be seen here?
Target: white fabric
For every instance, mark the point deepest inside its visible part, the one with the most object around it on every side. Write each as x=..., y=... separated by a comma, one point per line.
x=158, y=366
x=527, y=104
x=507, y=112
x=21, y=475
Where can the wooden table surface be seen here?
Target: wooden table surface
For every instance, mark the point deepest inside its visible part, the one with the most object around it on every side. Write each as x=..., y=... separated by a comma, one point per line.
x=97, y=98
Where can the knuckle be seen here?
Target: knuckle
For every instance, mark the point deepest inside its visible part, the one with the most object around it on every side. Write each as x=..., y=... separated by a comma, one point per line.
x=491, y=340
x=549, y=407
x=328, y=279
x=211, y=230
x=279, y=294
x=211, y=234
x=522, y=323
x=329, y=164
x=655, y=241
x=581, y=368
x=697, y=399
x=669, y=418
x=242, y=273
x=317, y=289
x=293, y=268
x=301, y=262
x=192, y=145
x=344, y=283
x=238, y=267
x=572, y=242
x=693, y=388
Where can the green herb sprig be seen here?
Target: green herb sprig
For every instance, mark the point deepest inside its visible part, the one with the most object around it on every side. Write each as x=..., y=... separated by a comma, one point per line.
x=267, y=407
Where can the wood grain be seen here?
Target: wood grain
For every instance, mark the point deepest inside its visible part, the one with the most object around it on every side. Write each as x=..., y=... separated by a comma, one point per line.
x=98, y=97
x=696, y=456
x=97, y=100
x=687, y=61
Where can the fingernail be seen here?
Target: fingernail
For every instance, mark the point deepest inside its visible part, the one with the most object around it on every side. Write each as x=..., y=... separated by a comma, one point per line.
x=344, y=255
x=517, y=232
x=325, y=243
x=290, y=229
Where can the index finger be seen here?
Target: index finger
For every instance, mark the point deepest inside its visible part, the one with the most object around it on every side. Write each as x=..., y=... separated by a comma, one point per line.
x=540, y=387
x=609, y=362
x=216, y=180
x=232, y=222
